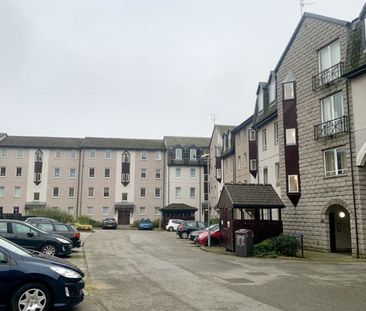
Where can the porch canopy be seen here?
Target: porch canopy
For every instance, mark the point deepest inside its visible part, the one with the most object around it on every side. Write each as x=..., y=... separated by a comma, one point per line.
x=34, y=205
x=249, y=206
x=124, y=206
x=177, y=211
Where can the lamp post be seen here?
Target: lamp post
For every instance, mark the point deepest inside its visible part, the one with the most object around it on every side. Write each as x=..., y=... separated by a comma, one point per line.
x=207, y=157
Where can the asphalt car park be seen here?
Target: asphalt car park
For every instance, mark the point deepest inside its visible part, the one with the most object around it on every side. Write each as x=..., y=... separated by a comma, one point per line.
x=156, y=270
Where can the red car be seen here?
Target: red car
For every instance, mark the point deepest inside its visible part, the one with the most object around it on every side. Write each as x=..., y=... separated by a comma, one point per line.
x=215, y=237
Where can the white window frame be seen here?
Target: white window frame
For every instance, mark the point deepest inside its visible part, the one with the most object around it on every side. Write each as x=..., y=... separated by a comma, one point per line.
x=178, y=175
x=70, y=210
x=89, y=175
x=108, y=154
x=2, y=191
x=107, y=169
x=16, y=171
x=265, y=175
x=276, y=133
x=157, y=173
x=331, y=99
x=158, y=155
x=264, y=139
x=329, y=50
x=277, y=173
x=105, y=210
x=252, y=135
x=3, y=152
x=194, y=192
x=92, y=154
x=178, y=154
x=289, y=177
x=272, y=90
x=72, y=172
x=143, y=173
x=157, y=191
x=20, y=153
x=73, y=192
x=253, y=164
x=57, y=172
x=2, y=169
x=124, y=193
x=108, y=192
x=336, y=171
x=73, y=154
x=143, y=155
x=291, y=139
x=157, y=211
x=178, y=192
x=57, y=194
x=245, y=160
x=90, y=210
x=192, y=172
x=58, y=154
x=260, y=101
x=142, y=195
x=193, y=154
x=91, y=193
x=142, y=210
x=289, y=90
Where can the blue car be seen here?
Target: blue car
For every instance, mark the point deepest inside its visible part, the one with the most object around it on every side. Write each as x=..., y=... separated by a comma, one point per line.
x=31, y=280
x=145, y=224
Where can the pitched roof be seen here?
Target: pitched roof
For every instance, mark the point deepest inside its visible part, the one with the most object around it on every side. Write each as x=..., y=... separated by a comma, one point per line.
x=123, y=143
x=187, y=141
x=253, y=196
x=178, y=207
x=41, y=142
x=222, y=129
x=243, y=124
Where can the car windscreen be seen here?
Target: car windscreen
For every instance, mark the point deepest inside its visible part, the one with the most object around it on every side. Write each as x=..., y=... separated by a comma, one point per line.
x=14, y=248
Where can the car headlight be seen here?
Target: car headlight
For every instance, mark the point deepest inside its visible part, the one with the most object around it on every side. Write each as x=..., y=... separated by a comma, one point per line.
x=67, y=273
x=63, y=241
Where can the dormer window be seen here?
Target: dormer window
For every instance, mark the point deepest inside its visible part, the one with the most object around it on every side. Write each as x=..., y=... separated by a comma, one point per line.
x=229, y=140
x=178, y=154
x=260, y=101
x=125, y=157
x=193, y=154
x=272, y=90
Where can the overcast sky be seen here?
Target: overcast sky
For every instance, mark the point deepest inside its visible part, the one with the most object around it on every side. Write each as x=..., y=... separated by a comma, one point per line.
x=140, y=68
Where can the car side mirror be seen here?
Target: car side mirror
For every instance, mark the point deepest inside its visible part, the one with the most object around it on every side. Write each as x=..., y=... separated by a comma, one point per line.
x=30, y=234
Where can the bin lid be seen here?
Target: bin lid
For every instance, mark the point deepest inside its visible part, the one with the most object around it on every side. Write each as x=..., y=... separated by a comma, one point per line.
x=242, y=231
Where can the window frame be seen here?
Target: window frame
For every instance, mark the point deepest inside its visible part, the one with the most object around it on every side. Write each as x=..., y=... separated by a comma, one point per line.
x=286, y=94
x=3, y=152
x=20, y=153
x=143, y=173
x=109, y=153
x=158, y=155
x=142, y=210
x=252, y=135
x=193, y=154
x=178, y=192
x=106, y=192
x=178, y=169
x=178, y=153
x=143, y=192
x=336, y=162
x=251, y=166
x=17, y=174
x=192, y=169
x=107, y=169
x=157, y=191
x=73, y=192
x=103, y=208
x=2, y=193
x=289, y=190
x=89, y=171
x=194, y=192
x=329, y=48
x=3, y=171
x=291, y=133
x=72, y=175
x=143, y=155
x=260, y=100
x=272, y=90
x=264, y=139
x=57, y=172
x=276, y=133
x=91, y=192
x=55, y=192
x=92, y=154
x=158, y=173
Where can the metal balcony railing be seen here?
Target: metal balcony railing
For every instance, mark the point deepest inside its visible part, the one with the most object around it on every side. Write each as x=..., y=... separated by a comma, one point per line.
x=331, y=128
x=328, y=75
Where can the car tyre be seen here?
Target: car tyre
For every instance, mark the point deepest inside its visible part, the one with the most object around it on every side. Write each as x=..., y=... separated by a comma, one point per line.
x=184, y=235
x=49, y=249
x=170, y=229
x=32, y=296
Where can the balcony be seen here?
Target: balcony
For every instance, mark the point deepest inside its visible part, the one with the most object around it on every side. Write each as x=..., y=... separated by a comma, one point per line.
x=331, y=128
x=327, y=76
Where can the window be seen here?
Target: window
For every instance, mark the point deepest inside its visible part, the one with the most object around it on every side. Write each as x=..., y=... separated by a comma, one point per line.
x=272, y=90
x=265, y=175
x=108, y=154
x=193, y=154
x=277, y=173
x=178, y=172
x=275, y=128
x=157, y=193
x=264, y=139
x=2, y=191
x=178, y=192
x=239, y=162
x=142, y=192
x=17, y=192
x=90, y=192
x=218, y=151
x=253, y=164
x=143, y=174
x=192, y=192
x=105, y=210
x=329, y=56
x=91, y=172
x=252, y=135
x=158, y=155
x=290, y=137
x=245, y=160
x=18, y=172
x=260, y=100
x=218, y=173
x=55, y=192
x=36, y=196
x=73, y=154
x=23, y=230
x=124, y=196
x=143, y=155
x=2, y=171
x=335, y=161
x=158, y=173
x=126, y=157
x=71, y=192
x=142, y=210
x=178, y=154
x=3, y=152
x=106, y=192
x=20, y=153
x=107, y=172
x=332, y=107
x=58, y=154
x=293, y=184
x=89, y=210
x=57, y=172
x=156, y=211
x=288, y=91
x=72, y=173
x=70, y=210
x=92, y=154
x=192, y=172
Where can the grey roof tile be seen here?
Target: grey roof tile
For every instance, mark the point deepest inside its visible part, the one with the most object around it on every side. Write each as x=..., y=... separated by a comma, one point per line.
x=187, y=141
x=123, y=143
x=178, y=207
x=41, y=142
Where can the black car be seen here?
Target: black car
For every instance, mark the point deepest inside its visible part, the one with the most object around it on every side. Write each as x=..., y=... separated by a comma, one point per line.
x=66, y=230
x=30, y=237
x=109, y=223
x=30, y=280
x=186, y=227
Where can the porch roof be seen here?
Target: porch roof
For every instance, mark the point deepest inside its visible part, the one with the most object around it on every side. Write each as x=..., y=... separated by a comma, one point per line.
x=253, y=196
x=176, y=207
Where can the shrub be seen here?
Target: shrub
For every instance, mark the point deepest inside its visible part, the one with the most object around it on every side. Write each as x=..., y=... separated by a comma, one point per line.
x=135, y=224
x=86, y=220
x=52, y=213
x=156, y=223
x=214, y=221
x=264, y=248
x=83, y=227
x=286, y=245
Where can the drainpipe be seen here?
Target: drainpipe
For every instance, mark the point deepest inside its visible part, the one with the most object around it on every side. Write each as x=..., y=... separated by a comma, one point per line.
x=80, y=183
x=352, y=172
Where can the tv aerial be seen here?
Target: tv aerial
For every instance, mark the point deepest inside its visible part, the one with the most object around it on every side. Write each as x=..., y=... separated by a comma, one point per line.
x=302, y=5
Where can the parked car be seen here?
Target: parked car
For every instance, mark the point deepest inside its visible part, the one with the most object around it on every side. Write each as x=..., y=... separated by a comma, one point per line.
x=30, y=280
x=66, y=230
x=173, y=224
x=186, y=227
x=193, y=235
x=31, y=219
x=30, y=237
x=145, y=224
x=215, y=234
x=109, y=223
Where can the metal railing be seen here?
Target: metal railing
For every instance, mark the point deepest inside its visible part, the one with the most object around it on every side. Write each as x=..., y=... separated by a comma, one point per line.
x=331, y=128
x=328, y=75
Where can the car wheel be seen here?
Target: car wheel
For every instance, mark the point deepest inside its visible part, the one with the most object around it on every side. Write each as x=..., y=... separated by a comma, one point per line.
x=49, y=249
x=170, y=229
x=32, y=296
x=184, y=235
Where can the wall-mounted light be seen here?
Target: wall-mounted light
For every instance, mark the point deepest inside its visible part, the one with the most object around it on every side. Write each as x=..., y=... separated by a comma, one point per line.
x=342, y=215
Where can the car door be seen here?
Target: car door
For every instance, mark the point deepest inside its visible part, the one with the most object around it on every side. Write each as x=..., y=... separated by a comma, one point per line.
x=25, y=236
x=6, y=275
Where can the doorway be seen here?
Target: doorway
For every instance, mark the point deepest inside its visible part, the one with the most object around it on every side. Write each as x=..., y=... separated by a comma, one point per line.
x=339, y=229
x=124, y=217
